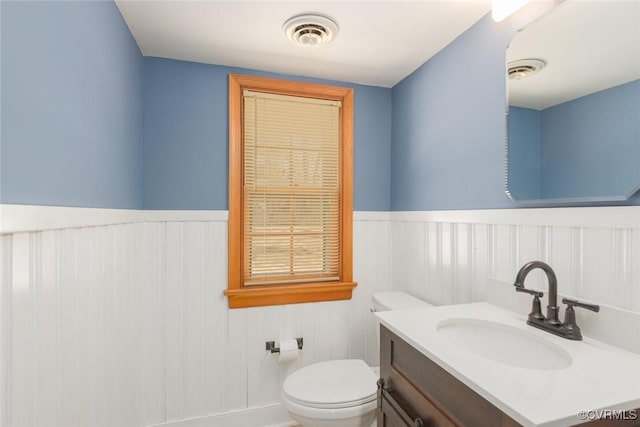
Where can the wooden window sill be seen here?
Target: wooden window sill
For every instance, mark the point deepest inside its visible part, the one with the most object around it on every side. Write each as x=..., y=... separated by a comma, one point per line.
x=257, y=296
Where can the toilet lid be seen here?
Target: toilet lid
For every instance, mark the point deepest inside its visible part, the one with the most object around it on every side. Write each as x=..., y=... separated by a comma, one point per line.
x=332, y=384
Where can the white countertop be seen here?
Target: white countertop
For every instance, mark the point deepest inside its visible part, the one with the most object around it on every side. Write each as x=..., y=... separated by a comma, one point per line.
x=600, y=377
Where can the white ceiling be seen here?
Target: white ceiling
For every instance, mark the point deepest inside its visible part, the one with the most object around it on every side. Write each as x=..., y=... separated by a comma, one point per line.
x=588, y=46
x=380, y=42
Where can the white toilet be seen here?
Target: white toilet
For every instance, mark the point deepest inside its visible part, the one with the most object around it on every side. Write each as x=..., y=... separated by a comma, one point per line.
x=340, y=393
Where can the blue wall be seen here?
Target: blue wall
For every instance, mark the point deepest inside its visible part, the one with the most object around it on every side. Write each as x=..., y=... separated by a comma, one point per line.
x=75, y=87
x=186, y=142
x=524, y=153
x=71, y=106
x=582, y=138
x=566, y=151
x=449, y=127
x=448, y=134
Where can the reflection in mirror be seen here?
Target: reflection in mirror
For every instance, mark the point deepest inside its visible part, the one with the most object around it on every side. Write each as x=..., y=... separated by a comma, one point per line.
x=574, y=125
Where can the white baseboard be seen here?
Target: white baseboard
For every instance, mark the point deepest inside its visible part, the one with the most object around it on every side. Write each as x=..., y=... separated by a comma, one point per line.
x=264, y=416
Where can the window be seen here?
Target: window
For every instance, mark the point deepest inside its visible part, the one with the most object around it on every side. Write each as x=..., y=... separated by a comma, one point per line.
x=290, y=192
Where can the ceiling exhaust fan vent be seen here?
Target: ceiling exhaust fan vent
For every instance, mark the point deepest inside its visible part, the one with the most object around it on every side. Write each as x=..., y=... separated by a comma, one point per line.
x=524, y=68
x=310, y=30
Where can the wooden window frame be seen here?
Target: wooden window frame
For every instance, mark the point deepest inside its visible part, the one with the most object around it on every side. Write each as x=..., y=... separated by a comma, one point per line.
x=240, y=296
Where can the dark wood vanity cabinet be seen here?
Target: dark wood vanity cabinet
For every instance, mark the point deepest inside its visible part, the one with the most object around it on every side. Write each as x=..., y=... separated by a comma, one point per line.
x=413, y=391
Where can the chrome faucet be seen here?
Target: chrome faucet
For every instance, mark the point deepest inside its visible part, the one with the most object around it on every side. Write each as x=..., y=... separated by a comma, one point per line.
x=567, y=329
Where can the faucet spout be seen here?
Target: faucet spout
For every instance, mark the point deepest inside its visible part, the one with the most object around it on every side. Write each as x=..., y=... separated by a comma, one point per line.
x=552, y=307
x=569, y=329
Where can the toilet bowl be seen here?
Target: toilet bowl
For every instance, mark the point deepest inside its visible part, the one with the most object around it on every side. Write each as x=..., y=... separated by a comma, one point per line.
x=336, y=392
x=340, y=393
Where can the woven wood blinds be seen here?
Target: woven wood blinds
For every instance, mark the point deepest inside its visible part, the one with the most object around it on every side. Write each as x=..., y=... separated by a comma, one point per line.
x=291, y=188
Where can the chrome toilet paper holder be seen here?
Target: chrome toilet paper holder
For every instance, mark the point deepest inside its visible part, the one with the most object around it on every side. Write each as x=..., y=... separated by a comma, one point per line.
x=271, y=346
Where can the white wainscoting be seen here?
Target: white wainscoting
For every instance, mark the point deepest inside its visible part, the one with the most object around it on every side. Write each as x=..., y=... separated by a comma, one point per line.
x=125, y=324
x=445, y=257
x=72, y=327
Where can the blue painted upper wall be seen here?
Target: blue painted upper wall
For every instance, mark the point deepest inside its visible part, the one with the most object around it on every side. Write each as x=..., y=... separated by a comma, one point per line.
x=588, y=147
x=591, y=146
x=71, y=106
x=449, y=127
x=74, y=94
x=448, y=133
x=75, y=88
x=524, y=153
x=186, y=137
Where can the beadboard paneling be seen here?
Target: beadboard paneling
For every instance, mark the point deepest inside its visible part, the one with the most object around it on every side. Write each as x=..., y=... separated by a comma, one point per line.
x=5, y=329
x=71, y=330
x=448, y=262
x=213, y=359
x=126, y=324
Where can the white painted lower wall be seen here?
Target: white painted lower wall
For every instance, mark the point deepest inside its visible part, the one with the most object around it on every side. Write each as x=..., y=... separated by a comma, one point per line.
x=446, y=257
x=124, y=323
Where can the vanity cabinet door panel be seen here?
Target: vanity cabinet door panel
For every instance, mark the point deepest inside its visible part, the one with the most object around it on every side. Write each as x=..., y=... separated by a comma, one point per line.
x=431, y=392
x=415, y=404
x=392, y=416
x=412, y=386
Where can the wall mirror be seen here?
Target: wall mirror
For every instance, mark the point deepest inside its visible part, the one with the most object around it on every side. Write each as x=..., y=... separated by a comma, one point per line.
x=573, y=109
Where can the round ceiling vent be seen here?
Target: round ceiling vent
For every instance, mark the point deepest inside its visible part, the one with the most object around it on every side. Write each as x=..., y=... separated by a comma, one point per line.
x=524, y=68
x=310, y=30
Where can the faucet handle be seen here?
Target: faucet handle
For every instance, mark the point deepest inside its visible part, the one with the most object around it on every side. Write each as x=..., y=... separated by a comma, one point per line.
x=572, y=330
x=536, y=312
x=576, y=303
x=529, y=291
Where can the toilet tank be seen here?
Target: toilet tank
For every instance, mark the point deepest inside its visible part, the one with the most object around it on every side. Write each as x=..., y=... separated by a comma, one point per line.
x=387, y=301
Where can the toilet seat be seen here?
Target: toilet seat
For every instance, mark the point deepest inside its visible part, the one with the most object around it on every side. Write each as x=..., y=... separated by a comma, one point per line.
x=327, y=414
x=334, y=384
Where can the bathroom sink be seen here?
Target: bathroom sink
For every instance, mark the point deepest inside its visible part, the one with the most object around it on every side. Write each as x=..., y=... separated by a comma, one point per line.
x=536, y=378
x=504, y=344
